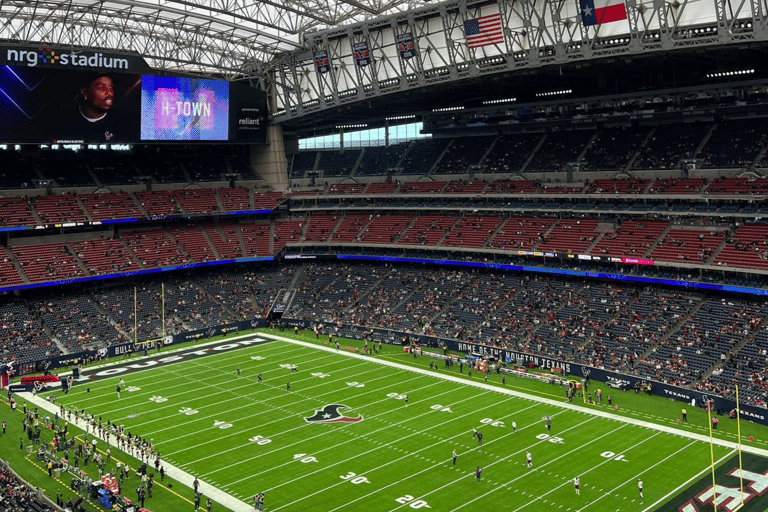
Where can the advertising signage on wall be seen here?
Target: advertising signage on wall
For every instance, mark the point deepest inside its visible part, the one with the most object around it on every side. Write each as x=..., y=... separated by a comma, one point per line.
x=52, y=97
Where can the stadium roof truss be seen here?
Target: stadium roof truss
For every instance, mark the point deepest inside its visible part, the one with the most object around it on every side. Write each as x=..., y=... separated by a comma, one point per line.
x=229, y=38
x=275, y=42
x=536, y=33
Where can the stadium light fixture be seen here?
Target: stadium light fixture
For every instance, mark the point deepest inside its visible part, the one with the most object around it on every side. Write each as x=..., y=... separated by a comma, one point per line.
x=504, y=100
x=721, y=74
x=447, y=109
x=399, y=118
x=554, y=93
x=344, y=126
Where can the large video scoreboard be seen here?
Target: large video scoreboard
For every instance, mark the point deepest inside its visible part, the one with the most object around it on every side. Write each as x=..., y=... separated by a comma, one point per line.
x=47, y=97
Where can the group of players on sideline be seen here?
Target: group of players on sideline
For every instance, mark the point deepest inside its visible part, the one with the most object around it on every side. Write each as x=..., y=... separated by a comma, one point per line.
x=67, y=447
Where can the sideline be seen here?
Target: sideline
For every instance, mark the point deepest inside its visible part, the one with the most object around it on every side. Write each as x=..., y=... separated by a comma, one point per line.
x=217, y=495
x=524, y=396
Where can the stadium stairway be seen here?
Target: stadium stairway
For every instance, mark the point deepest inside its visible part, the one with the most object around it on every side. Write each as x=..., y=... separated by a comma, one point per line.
x=77, y=258
x=673, y=330
x=492, y=312
x=586, y=147
x=82, y=207
x=560, y=305
x=290, y=291
x=634, y=157
x=658, y=239
x=533, y=153
x=736, y=348
x=356, y=164
x=448, y=231
x=133, y=254
x=704, y=140
x=405, y=229
x=545, y=235
x=439, y=157
x=760, y=155
x=178, y=244
x=718, y=249
x=138, y=203
x=596, y=241
x=488, y=151
x=208, y=239
x=49, y=334
x=239, y=233
x=16, y=264
x=219, y=202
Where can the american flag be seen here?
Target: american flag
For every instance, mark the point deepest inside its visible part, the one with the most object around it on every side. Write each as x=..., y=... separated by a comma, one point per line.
x=483, y=31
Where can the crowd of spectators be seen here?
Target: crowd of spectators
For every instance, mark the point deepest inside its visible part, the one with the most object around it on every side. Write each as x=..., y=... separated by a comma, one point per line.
x=678, y=338
x=18, y=496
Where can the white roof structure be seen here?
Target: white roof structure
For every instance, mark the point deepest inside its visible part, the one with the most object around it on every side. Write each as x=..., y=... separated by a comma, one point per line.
x=227, y=38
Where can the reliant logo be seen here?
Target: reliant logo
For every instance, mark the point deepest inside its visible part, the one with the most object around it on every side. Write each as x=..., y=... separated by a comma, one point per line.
x=50, y=57
x=247, y=121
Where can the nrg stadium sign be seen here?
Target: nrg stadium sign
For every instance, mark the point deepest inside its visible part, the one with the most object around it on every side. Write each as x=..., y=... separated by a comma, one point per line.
x=47, y=57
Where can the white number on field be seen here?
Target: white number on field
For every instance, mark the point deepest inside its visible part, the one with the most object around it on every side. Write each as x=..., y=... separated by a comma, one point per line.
x=355, y=479
x=131, y=389
x=303, y=457
x=551, y=439
x=441, y=408
x=409, y=500
x=256, y=358
x=188, y=411
x=396, y=396
x=260, y=440
x=320, y=375
x=356, y=384
x=158, y=399
x=221, y=424
x=493, y=423
x=611, y=455
x=288, y=366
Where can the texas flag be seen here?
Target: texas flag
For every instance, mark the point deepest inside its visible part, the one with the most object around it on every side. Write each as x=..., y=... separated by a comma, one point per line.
x=607, y=12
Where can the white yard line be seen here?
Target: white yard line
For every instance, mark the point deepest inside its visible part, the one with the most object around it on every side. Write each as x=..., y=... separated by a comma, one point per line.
x=556, y=403
x=411, y=454
x=326, y=433
x=172, y=471
x=157, y=383
x=430, y=468
x=686, y=483
x=368, y=434
x=237, y=505
x=567, y=480
x=262, y=425
x=303, y=398
x=634, y=478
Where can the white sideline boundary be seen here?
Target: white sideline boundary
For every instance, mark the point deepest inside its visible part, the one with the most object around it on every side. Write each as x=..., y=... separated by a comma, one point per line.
x=171, y=470
x=237, y=505
x=518, y=394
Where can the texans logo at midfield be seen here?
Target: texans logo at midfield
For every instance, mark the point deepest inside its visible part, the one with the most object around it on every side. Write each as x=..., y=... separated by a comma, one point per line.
x=331, y=414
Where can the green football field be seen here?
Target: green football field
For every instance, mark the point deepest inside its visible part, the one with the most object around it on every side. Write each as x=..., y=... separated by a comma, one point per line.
x=244, y=437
